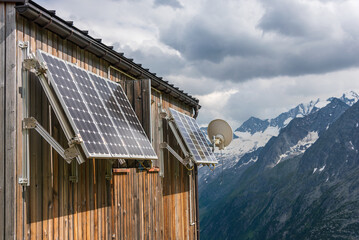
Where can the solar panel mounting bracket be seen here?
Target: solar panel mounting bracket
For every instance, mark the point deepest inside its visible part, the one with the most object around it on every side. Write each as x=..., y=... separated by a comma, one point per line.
x=188, y=157
x=68, y=154
x=186, y=161
x=39, y=68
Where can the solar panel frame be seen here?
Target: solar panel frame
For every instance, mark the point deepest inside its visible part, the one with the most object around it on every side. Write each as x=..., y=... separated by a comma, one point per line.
x=135, y=121
x=142, y=155
x=97, y=116
x=193, y=138
x=145, y=139
x=67, y=111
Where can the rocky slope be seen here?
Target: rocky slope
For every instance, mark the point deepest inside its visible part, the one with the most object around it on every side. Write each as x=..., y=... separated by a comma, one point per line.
x=311, y=194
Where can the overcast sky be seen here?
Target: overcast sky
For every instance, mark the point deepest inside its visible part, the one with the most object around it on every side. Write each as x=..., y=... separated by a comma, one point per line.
x=241, y=58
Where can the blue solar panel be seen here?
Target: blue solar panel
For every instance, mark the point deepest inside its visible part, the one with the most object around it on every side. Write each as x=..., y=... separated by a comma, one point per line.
x=98, y=111
x=193, y=137
x=75, y=107
x=131, y=119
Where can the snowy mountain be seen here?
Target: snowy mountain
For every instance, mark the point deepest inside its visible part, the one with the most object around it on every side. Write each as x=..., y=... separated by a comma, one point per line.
x=349, y=98
x=254, y=125
x=255, y=133
x=311, y=195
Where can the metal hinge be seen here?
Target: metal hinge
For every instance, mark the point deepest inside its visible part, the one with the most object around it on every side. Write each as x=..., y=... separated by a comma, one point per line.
x=33, y=64
x=75, y=140
x=29, y=63
x=29, y=123
x=23, y=44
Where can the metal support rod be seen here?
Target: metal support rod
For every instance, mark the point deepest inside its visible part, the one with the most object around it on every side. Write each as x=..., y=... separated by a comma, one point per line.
x=25, y=90
x=68, y=154
x=185, y=162
x=74, y=172
x=191, y=222
x=109, y=164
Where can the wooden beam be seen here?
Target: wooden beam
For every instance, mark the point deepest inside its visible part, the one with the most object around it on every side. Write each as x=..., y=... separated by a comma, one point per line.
x=154, y=170
x=121, y=170
x=2, y=120
x=10, y=120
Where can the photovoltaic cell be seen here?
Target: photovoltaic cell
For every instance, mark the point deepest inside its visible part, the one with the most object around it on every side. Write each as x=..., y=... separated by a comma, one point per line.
x=193, y=137
x=99, y=111
x=75, y=107
x=132, y=120
x=118, y=117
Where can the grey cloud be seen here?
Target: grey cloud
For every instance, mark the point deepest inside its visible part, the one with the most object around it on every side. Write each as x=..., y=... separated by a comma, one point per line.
x=287, y=18
x=198, y=41
x=170, y=3
x=296, y=60
x=305, y=44
x=154, y=59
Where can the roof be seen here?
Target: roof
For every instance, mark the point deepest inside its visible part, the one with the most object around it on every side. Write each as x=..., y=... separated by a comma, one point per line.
x=47, y=19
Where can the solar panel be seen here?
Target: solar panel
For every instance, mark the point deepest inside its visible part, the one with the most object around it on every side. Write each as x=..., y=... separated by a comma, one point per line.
x=107, y=124
x=75, y=107
x=193, y=137
x=132, y=121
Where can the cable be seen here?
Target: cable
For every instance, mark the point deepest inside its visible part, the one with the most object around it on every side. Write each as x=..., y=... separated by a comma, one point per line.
x=189, y=169
x=147, y=169
x=212, y=169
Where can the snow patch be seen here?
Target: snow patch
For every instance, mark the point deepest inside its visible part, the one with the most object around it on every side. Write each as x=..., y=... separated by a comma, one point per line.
x=245, y=143
x=351, y=146
x=322, y=168
x=287, y=121
x=350, y=98
x=314, y=170
x=301, y=146
x=321, y=104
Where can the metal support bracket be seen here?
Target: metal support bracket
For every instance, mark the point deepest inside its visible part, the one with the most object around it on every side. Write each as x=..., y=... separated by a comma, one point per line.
x=188, y=157
x=74, y=172
x=68, y=154
x=109, y=164
x=186, y=161
x=40, y=69
x=24, y=92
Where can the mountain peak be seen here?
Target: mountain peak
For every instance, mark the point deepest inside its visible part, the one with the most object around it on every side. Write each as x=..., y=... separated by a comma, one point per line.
x=253, y=125
x=350, y=97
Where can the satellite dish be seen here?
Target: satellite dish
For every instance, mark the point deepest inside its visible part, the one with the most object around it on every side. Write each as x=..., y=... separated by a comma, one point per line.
x=220, y=133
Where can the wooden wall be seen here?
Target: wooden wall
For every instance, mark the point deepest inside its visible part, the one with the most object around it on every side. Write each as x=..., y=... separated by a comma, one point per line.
x=8, y=118
x=135, y=205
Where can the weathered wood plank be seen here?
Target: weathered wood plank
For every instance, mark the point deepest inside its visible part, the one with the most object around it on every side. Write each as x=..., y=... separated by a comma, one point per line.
x=137, y=99
x=146, y=106
x=10, y=119
x=45, y=180
x=56, y=177
x=18, y=172
x=38, y=158
x=2, y=120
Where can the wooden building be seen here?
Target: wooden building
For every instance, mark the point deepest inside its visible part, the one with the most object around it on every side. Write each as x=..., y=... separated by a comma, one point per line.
x=141, y=200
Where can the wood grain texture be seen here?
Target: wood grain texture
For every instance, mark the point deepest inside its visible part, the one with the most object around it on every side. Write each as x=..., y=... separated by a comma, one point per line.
x=10, y=120
x=2, y=120
x=135, y=204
